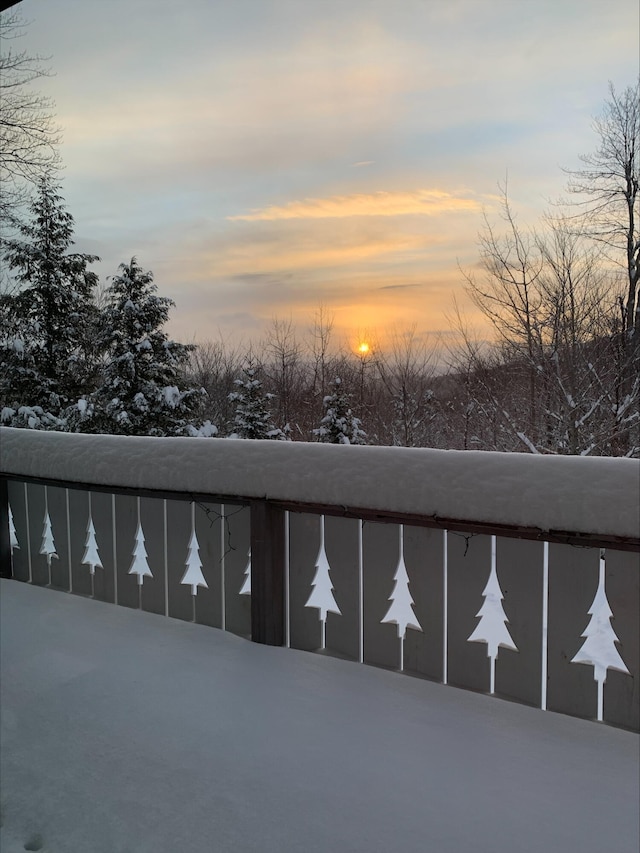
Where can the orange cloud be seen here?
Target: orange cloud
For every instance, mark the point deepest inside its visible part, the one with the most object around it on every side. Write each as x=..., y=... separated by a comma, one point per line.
x=248, y=258
x=421, y=202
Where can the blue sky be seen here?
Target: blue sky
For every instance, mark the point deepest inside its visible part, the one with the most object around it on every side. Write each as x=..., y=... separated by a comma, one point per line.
x=265, y=157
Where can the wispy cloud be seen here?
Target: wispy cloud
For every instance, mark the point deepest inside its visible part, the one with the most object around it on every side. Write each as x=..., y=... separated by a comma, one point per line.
x=421, y=202
x=398, y=286
x=363, y=163
x=311, y=252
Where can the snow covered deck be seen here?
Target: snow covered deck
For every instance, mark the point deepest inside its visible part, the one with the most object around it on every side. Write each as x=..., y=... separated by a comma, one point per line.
x=125, y=731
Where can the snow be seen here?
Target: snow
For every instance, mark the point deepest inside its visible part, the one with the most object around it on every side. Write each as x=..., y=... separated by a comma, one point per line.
x=562, y=493
x=125, y=731
x=172, y=396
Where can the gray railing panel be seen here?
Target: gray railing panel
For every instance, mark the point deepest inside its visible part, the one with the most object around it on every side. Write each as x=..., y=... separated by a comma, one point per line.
x=237, y=542
x=519, y=566
x=573, y=581
x=152, y=524
x=341, y=546
x=381, y=549
x=304, y=543
x=102, y=518
x=181, y=602
x=469, y=563
x=208, y=526
x=423, y=554
x=36, y=508
x=21, y=554
x=126, y=521
x=56, y=502
x=7, y=531
x=78, y=521
x=622, y=691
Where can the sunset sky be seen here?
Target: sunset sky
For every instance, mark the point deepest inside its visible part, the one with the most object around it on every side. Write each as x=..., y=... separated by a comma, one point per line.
x=264, y=157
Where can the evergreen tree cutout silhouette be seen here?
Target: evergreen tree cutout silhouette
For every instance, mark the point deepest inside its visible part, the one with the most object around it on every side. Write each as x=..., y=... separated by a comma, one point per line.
x=322, y=593
x=245, y=589
x=13, y=536
x=492, y=627
x=400, y=610
x=599, y=648
x=91, y=556
x=48, y=547
x=140, y=563
x=193, y=575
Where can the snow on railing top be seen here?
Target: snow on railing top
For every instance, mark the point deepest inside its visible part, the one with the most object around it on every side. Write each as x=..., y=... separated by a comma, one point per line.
x=586, y=495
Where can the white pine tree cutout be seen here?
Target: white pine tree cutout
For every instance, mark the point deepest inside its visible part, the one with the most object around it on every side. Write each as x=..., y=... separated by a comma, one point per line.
x=599, y=648
x=492, y=627
x=245, y=589
x=322, y=593
x=140, y=563
x=13, y=537
x=193, y=575
x=400, y=611
x=48, y=547
x=91, y=556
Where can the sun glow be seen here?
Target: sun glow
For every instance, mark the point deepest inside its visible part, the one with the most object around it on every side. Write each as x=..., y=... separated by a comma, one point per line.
x=363, y=348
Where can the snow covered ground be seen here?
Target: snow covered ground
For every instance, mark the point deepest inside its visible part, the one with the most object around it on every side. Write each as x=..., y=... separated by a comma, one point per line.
x=124, y=732
x=564, y=493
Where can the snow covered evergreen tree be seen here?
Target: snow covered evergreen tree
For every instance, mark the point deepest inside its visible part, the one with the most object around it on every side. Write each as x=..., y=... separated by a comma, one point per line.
x=339, y=425
x=252, y=417
x=47, y=351
x=142, y=392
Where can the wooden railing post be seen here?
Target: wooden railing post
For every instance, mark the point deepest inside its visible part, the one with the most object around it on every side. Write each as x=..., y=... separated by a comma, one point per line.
x=267, y=574
x=6, y=570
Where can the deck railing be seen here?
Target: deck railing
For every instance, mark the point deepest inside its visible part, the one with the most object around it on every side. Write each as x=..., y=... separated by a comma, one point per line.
x=504, y=573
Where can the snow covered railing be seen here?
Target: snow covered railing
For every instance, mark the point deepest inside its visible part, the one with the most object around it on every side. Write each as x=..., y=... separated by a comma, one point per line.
x=512, y=574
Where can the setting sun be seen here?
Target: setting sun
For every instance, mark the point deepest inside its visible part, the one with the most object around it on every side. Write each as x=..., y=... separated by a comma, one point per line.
x=363, y=348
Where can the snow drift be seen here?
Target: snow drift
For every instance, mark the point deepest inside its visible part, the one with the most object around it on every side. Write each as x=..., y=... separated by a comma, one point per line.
x=573, y=494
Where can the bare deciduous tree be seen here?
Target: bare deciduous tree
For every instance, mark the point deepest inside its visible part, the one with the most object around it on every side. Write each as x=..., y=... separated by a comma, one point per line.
x=609, y=183
x=283, y=370
x=29, y=136
x=555, y=378
x=406, y=371
x=214, y=366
